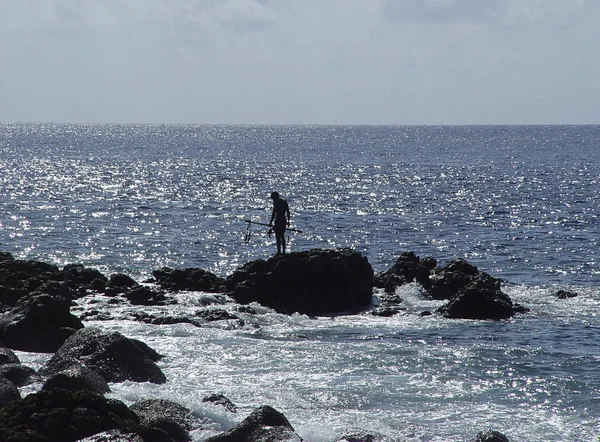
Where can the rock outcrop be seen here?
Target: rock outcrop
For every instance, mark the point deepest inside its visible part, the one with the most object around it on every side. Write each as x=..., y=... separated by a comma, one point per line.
x=188, y=279
x=112, y=355
x=263, y=424
x=314, y=282
x=407, y=268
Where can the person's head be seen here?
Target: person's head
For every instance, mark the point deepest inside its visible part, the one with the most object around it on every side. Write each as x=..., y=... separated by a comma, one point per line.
x=274, y=195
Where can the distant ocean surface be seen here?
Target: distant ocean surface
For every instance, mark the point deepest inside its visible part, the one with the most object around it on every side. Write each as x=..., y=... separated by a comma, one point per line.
x=519, y=202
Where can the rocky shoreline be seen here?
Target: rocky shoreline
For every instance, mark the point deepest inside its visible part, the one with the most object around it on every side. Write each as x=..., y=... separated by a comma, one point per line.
x=37, y=298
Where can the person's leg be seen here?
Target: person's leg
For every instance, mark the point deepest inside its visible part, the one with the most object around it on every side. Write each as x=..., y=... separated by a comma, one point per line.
x=283, y=241
x=278, y=238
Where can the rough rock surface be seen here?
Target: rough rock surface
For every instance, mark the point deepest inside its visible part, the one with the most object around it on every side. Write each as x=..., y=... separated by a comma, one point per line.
x=61, y=415
x=188, y=279
x=39, y=323
x=407, y=268
x=313, y=282
x=77, y=377
x=112, y=355
x=265, y=424
x=170, y=417
x=8, y=392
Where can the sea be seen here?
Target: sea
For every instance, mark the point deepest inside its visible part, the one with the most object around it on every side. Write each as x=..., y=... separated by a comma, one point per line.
x=519, y=202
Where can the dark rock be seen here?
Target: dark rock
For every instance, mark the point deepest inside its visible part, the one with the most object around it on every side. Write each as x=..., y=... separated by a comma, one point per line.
x=215, y=314
x=265, y=424
x=113, y=436
x=7, y=356
x=77, y=276
x=112, y=355
x=479, y=300
x=77, y=377
x=188, y=279
x=311, y=282
x=140, y=295
x=172, y=418
x=491, y=436
x=164, y=320
x=407, y=268
x=61, y=415
x=38, y=324
x=447, y=281
x=8, y=392
x=18, y=374
x=121, y=281
x=387, y=310
x=221, y=400
x=357, y=436
x=565, y=294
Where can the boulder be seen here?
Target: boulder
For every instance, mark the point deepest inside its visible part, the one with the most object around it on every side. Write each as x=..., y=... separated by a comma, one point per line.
x=407, y=268
x=77, y=377
x=448, y=280
x=219, y=399
x=314, y=282
x=263, y=424
x=18, y=374
x=141, y=295
x=121, y=282
x=112, y=355
x=8, y=392
x=7, y=356
x=170, y=417
x=79, y=277
x=39, y=323
x=188, y=279
x=61, y=415
x=480, y=300
x=490, y=436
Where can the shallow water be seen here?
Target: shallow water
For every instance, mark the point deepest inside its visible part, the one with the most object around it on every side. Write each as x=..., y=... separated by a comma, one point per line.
x=518, y=202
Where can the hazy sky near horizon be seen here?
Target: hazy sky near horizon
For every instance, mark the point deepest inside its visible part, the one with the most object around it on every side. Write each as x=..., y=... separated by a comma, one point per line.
x=300, y=61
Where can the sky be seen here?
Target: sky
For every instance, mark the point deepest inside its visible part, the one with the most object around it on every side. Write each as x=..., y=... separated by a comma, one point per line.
x=300, y=61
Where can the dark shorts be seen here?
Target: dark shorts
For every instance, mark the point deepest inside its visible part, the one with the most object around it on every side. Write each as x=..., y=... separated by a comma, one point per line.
x=279, y=226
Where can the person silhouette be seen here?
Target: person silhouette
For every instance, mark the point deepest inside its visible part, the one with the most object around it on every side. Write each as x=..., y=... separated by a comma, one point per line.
x=281, y=216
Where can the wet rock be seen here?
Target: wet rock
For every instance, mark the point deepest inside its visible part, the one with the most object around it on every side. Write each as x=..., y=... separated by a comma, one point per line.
x=387, y=310
x=312, y=282
x=480, y=300
x=38, y=324
x=78, y=276
x=188, y=279
x=7, y=356
x=77, y=377
x=448, y=280
x=140, y=295
x=61, y=415
x=357, y=436
x=263, y=424
x=164, y=320
x=490, y=436
x=113, y=436
x=215, y=314
x=170, y=417
x=121, y=282
x=8, y=392
x=565, y=294
x=112, y=355
x=18, y=374
x=407, y=268
x=219, y=399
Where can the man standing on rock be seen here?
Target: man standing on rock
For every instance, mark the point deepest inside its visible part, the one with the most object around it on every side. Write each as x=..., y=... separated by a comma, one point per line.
x=281, y=215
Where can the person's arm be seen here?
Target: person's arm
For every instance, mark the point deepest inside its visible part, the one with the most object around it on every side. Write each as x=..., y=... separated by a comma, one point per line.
x=272, y=217
x=287, y=210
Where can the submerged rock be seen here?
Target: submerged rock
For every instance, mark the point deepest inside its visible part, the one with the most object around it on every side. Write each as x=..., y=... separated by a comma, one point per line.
x=219, y=399
x=490, y=436
x=112, y=355
x=263, y=424
x=311, y=282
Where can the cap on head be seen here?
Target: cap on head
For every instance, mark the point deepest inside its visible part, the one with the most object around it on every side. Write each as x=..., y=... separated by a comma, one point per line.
x=274, y=195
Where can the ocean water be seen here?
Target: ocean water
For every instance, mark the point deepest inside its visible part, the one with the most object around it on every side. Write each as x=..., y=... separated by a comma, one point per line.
x=520, y=202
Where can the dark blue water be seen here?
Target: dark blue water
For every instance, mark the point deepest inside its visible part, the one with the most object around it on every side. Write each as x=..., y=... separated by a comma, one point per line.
x=520, y=202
